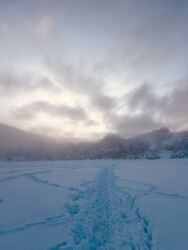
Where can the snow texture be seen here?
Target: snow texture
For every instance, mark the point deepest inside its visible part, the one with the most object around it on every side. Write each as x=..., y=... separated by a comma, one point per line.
x=90, y=205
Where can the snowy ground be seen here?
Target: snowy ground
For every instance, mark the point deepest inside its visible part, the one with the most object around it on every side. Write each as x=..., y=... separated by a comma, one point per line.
x=104, y=204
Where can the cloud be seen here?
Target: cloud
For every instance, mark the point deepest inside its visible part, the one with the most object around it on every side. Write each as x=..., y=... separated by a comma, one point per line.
x=74, y=79
x=169, y=109
x=131, y=125
x=12, y=83
x=83, y=83
x=149, y=110
x=31, y=110
x=94, y=55
x=90, y=123
x=44, y=25
x=147, y=41
x=103, y=102
x=142, y=98
x=146, y=108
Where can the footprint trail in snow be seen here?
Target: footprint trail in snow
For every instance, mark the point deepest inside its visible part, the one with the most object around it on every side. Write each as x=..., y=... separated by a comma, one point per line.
x=104, y=216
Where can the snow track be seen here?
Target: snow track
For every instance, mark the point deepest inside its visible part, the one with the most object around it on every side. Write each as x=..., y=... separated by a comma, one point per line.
x=105, y=216
x=94, y=205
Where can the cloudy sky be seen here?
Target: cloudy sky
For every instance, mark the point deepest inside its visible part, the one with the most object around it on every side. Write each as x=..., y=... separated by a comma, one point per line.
x=84, y=68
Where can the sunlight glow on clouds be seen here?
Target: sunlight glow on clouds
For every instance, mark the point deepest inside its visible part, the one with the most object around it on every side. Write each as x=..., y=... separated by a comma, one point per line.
x=86, y=68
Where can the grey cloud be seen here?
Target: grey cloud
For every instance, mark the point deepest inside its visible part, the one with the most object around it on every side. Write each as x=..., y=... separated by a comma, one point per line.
x=90, y=123
x=104, y=102
x=74, y=79
x=143, y=98
x=174, y=107
x=85, y=84
x=132, y=40
x=150, y=42
x=12, y=83
x=31, y=110
x=149, y=110
x=131, y=125
x=169, y=108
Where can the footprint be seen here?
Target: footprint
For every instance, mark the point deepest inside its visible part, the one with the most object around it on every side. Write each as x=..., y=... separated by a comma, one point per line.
x=59, y=246
x=72, y=209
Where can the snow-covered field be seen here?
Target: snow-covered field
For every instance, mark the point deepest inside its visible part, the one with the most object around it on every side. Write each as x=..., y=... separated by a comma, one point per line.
x=101, y=204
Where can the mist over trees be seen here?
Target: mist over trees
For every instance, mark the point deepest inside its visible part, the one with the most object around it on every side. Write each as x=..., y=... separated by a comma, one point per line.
x=16, y=144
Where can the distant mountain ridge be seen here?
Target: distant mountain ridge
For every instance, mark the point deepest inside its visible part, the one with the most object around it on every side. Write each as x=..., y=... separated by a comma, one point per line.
x=16, y=144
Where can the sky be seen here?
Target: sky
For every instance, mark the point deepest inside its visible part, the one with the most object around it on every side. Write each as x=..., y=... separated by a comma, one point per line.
x=85, y=68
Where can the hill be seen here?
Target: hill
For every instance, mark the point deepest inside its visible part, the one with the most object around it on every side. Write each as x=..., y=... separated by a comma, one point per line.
x=16, y=144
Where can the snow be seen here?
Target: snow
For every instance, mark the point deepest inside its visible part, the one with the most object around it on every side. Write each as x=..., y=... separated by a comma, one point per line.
x=97, y=204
